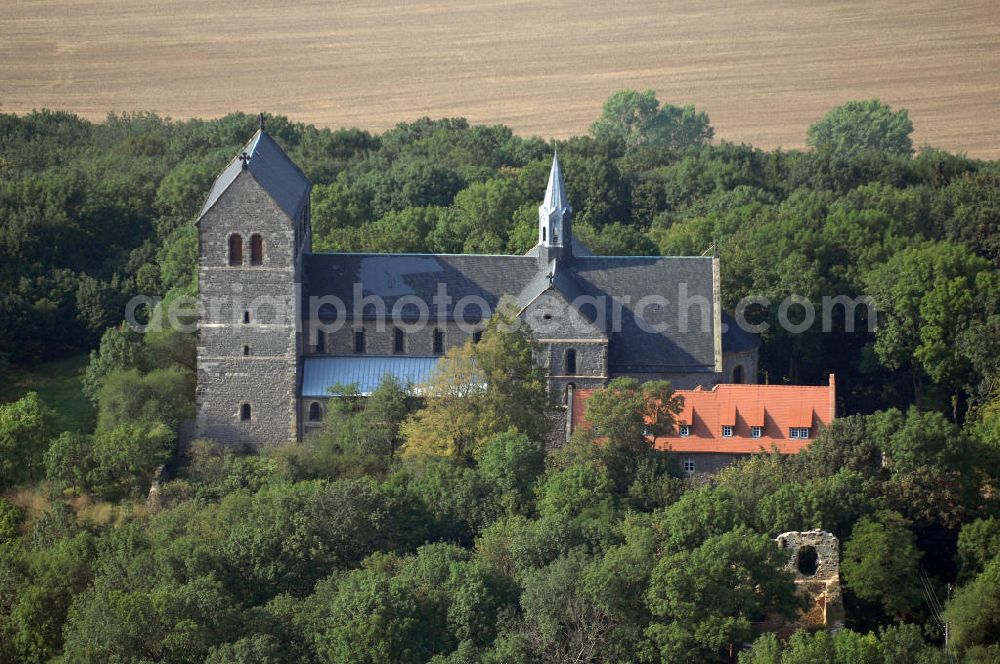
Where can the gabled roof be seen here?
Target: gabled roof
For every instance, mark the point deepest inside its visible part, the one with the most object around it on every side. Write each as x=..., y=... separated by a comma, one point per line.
x=631, y=349
x=271, y=167
x=555, y=277
x=777, y=408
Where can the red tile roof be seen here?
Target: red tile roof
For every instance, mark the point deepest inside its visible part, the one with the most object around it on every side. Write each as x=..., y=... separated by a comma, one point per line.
x=776, y=408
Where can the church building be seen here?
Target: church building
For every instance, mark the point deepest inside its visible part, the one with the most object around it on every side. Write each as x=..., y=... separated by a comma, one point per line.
x=281, y=325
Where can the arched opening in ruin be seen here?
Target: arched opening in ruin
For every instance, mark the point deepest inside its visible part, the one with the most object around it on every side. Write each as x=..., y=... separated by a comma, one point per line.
x=807, y=560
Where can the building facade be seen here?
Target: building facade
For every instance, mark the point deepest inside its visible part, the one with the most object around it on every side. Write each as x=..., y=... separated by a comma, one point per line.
x=281, y=325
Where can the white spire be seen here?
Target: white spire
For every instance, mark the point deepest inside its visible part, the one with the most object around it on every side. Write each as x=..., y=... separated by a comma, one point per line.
x=555, y=192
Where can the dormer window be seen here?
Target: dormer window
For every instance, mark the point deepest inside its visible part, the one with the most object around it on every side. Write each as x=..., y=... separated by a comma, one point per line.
x=727, y=432
x=799, y=433
x=756, y=432
x=685, y=431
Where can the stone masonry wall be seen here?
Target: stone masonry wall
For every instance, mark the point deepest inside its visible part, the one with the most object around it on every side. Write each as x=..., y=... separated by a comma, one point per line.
x=267, y=377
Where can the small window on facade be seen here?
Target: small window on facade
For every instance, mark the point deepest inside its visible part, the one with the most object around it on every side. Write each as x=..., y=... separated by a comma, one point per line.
x=799, y=432
x=246, y=351
x=685, y=431
x=315, y=412
x=438, y=341
x=246, y=317
x=320, y=341
x=727, y=432
x=477, y=336
x=245, y=412
x=543, y=233
x=756, y=432
x=689, y=466
x=359, y=341
x=235, y=250
x=398, y=341
x=738, y=374
x=570, y=362
x=256, y=249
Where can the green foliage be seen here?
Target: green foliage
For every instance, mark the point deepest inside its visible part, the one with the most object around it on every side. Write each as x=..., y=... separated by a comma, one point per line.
x=974, y=612
x=480, y=390
x=25, y=429
x=880, y=564
x=707, y=598
x=861, y=126
x=633, y=119
x=512, y=462
x=163, y=395
x=11, y=517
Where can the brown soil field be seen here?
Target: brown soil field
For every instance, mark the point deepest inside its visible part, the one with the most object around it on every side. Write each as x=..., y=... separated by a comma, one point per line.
x=763, y=69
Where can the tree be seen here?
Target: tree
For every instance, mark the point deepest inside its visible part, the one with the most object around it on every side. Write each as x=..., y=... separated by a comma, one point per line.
x=705, y=600
x=481, y=390
x=125, y=457
x=862, y=126
x=973, y=614
x=634, y=119
x=512, y=462
x=880, y=564
x=25, y=429
x=162, y=395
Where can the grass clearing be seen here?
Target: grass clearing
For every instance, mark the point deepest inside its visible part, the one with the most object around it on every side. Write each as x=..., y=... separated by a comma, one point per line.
x=59, y=385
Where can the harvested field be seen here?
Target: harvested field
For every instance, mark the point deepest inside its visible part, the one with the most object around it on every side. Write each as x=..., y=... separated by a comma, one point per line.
x=763, y=69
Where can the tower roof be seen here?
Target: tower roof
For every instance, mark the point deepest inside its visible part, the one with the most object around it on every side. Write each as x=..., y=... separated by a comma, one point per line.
x=269, y=164
x=555, y=192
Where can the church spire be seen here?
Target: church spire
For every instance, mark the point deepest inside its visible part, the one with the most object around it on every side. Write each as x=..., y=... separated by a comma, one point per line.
x=555, y=216
x=555, y=192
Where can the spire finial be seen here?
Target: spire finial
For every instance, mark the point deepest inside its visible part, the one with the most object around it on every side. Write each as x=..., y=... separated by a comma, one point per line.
x=260, y=118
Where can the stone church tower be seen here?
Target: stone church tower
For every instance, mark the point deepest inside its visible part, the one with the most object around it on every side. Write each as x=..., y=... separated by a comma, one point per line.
x=252, y=232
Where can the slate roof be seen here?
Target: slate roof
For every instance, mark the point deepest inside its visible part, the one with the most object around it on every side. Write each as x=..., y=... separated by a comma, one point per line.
x=320, y=373
x=776, y=408
x=631, y=349
x=271, y=167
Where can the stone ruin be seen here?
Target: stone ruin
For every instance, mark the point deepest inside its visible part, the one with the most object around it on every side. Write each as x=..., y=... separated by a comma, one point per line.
x=814, y=558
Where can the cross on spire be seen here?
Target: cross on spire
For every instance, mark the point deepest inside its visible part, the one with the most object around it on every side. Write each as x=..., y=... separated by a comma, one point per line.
x=245, y=159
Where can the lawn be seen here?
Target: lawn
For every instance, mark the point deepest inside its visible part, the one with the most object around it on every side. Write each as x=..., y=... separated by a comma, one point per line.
x=60, y=387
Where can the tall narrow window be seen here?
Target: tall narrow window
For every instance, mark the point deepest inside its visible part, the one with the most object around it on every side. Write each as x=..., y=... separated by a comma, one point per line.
x=738, y=374
x=477, y=336
x=398, y=341
x=246, y=316
x=245, y=412
x=570, y=362
x=235, y=250
x=256, y=249
x=438, y=341
x=246, y=351
x=359, y=341
x=315, y=412
x=543, y=233
x=320, y=341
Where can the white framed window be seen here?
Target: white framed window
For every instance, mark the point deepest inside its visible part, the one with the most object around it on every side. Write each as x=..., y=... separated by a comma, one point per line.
x=756, y=432
x=727, y=432
x=685, y=431
x=688, y=466
x=799, y=432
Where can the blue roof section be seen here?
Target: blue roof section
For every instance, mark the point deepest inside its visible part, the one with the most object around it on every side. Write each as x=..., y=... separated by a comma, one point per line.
x=272, y=168
x=320, y=373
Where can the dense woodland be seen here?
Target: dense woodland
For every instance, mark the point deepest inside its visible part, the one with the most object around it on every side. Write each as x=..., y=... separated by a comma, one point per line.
x=437, y=528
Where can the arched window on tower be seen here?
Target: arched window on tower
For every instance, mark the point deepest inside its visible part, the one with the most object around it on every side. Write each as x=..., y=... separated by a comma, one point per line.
x=315, y=412
x=570, y=362
x=256, y=249
x=738, y=377
x=245, y=412
x=235, y=250
x=543, y=233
